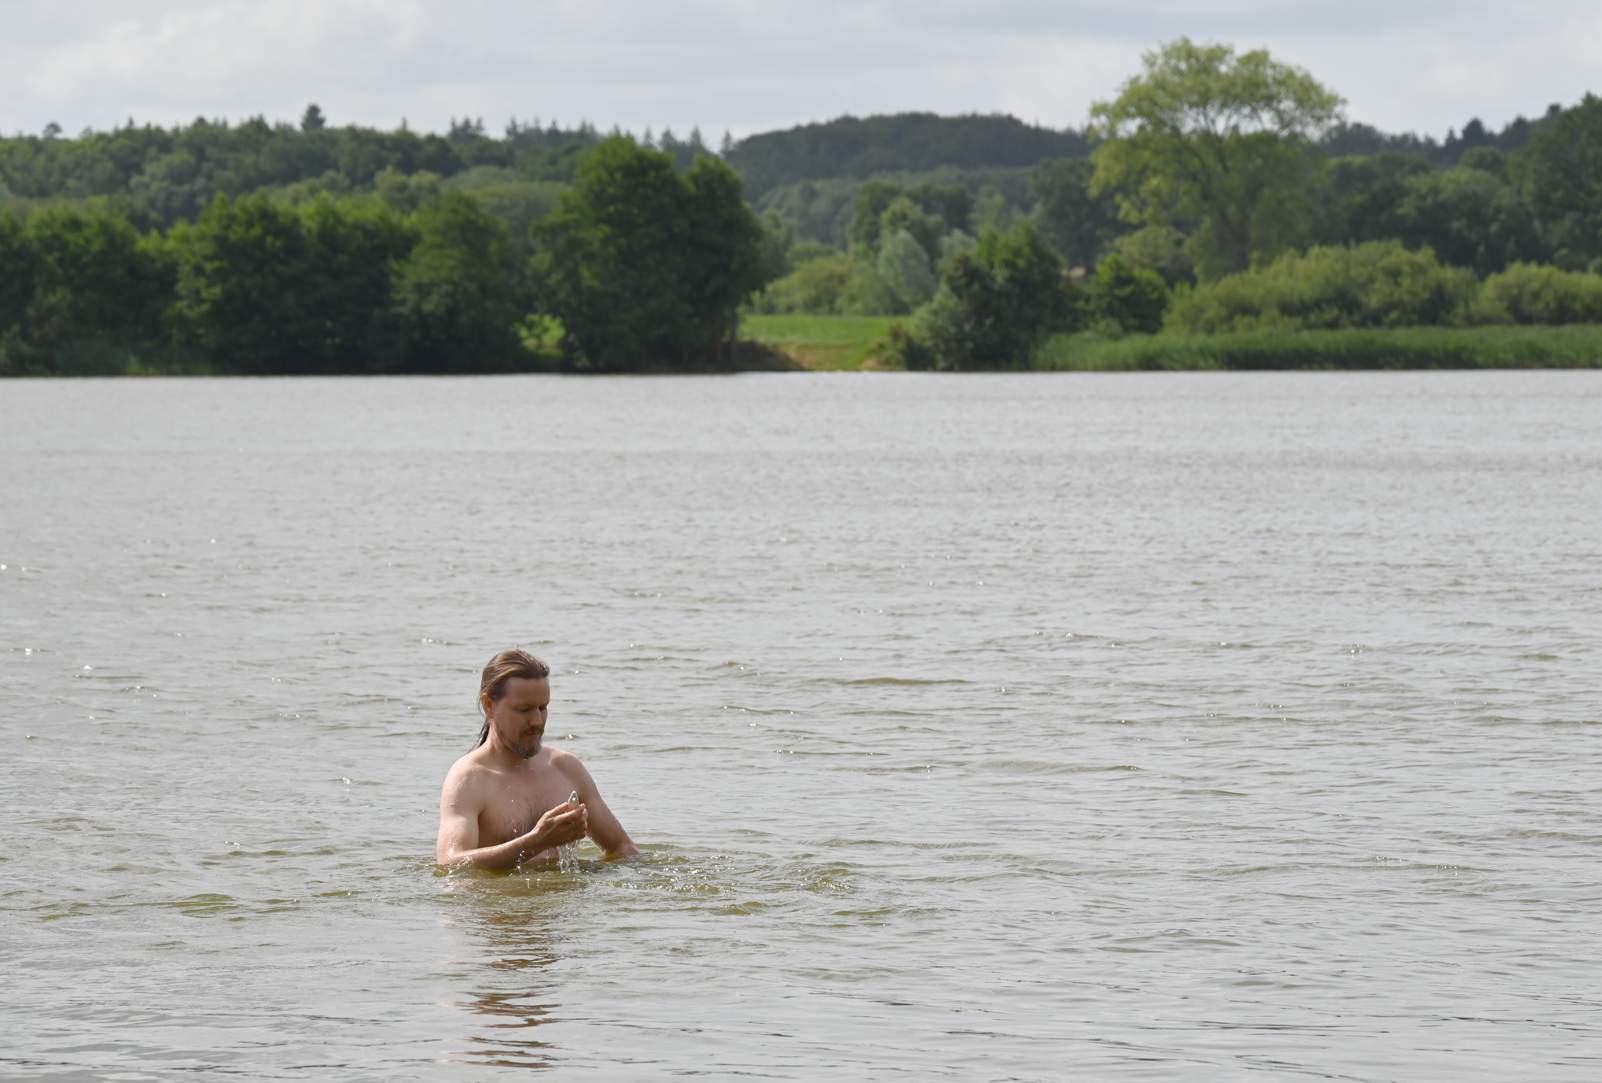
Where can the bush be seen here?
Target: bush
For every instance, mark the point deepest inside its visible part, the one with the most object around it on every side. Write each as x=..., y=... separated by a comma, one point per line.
x=909, y=351
x=865, y=294
x=1126, y=297
x=813, y=288
x=993, y=308
x=1533, y=293
x=1377, y=284
x=831, y=285
x=904, y=268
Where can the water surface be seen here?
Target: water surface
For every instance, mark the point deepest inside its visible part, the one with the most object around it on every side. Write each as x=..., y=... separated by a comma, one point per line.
x=974, y=727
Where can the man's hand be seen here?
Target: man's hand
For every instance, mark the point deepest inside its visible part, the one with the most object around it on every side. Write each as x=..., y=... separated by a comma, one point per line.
x=565, y=823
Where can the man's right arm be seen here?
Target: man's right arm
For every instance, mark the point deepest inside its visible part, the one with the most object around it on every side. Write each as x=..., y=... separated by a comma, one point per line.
x=457, y=844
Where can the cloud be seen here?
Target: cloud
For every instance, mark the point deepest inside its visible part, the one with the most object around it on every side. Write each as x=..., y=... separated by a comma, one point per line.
x=751, y=65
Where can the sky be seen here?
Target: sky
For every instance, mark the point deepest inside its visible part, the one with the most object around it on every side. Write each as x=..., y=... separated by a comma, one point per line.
x=748, y=66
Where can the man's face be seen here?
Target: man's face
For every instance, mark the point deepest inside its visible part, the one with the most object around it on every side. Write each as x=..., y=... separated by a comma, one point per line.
x=519, y=716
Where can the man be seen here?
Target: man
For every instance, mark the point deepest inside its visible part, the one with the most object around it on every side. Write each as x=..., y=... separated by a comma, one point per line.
x=506, y=802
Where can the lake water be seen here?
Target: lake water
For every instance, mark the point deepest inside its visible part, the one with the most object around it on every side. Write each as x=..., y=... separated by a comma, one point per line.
x=1133, y=727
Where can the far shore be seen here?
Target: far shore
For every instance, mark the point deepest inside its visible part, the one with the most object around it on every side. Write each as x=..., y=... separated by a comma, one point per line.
x=803, y=343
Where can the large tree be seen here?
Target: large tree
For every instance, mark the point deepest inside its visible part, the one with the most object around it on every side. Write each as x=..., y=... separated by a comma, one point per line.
x=1078, y=225
x=645, y=267
x=1216, y=144
x=97, y=286
x=1561, y=171
x=458, y=290
x=17, y=266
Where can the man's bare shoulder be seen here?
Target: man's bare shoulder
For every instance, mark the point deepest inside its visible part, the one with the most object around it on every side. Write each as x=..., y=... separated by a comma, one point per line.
x=568, y=764
x=561, y=758
x=468, y=774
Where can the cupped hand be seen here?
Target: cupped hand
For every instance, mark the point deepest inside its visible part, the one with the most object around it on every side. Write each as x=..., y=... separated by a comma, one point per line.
x=565, y=823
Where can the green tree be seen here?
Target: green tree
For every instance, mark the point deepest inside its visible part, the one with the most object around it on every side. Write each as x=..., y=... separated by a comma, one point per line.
x=241, y=270
x=645, y=267
x=16, y=291
x=408, y=192
x=953, y=204
x=991, y=211
x=1561, y=176
x=1469, y=218
x=1078, y=224
x=1360, y=197
x=904, y=267
x=606, y=256
x=98, y=288
x=346, y=299
x=1216, y=144
x=905, y=216
x=867, y=213
x=994, y=306
x=726, y=257
x=1159, y=249
x=1125, y=297
x=457, y=290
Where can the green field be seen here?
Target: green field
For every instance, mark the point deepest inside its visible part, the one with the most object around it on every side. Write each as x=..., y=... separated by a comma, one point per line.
x=822, y=343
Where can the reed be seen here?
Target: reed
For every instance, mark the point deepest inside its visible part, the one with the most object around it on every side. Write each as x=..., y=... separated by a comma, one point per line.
x=1570, y=346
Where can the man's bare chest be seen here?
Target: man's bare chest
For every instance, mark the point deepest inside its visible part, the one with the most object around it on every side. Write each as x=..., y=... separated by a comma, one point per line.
x=516, y=803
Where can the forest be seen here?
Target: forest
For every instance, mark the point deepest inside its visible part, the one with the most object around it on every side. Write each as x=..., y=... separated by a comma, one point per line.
x=1216, y=193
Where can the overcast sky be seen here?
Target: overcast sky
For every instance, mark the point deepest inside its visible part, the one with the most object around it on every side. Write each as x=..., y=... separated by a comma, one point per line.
x=755, y=65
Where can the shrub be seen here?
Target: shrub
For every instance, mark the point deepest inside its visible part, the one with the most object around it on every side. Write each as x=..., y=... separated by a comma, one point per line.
x=994, y=306
x=904, y=268
x=1377, y=284
x=1533, y=293
x=814, y=288
x=865, y=294
x=1128, y=297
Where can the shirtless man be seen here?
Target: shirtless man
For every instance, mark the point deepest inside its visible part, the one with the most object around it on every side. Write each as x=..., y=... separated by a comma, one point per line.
x=506, y=802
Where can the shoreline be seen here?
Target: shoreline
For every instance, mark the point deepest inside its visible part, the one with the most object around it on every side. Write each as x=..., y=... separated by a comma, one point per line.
x=861, y=344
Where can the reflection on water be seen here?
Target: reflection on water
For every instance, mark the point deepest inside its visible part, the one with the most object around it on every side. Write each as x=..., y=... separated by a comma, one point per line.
x=508, y=982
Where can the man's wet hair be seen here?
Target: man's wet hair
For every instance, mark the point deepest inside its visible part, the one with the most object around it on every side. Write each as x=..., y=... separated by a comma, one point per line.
x=502, y=668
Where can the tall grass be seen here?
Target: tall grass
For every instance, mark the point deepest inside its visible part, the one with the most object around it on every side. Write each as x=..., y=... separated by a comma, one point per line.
x=1572, y=346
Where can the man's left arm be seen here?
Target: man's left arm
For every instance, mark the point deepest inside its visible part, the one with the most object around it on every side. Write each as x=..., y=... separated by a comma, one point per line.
x=605, y=829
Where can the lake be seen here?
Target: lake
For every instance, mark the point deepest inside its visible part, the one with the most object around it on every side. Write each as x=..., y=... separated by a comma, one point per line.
x=1119, y=726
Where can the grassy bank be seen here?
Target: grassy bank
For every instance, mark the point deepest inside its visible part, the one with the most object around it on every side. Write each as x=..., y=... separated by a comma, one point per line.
x=1572, y=346
x=844, y=343
x=851, y=343
x=824, y=343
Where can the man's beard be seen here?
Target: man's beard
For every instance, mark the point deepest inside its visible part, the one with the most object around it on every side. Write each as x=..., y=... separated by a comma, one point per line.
x=526, y=749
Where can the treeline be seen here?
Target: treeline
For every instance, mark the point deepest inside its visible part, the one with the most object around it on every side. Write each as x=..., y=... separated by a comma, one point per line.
x=1210, y=204
x=1218, y=191
x=1540, y=203
x=855, y=147
x=637, y=265
x=156, y=177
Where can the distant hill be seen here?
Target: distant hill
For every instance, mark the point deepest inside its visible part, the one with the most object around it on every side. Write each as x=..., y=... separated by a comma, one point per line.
x=856, y=147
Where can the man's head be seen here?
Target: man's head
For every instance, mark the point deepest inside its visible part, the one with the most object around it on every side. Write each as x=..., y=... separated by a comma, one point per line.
x=515, y=695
